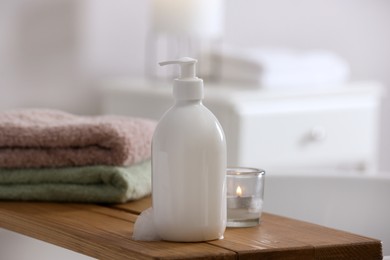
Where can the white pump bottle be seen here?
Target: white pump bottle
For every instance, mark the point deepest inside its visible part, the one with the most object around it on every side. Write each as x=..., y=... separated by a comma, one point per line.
x=189, y=165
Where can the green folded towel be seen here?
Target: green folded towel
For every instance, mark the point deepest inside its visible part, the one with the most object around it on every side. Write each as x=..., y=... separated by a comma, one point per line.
x=93, y=184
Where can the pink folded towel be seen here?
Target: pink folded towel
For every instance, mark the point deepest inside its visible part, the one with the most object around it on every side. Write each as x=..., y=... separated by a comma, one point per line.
x=34, y=138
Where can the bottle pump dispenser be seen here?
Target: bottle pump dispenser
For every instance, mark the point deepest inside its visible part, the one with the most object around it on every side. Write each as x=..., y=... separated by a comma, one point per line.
x=189, y=165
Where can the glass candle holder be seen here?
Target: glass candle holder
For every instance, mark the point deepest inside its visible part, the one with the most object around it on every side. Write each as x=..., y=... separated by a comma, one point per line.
x=245, y=191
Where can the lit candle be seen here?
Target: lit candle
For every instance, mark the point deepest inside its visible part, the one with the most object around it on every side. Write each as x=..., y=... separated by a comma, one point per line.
x=189, y=17
x=244, y=197
x=245, y=203
x=239, y=201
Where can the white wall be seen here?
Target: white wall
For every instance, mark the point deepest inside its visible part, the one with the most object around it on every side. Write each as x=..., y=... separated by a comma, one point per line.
x=113, y=39
x=110, y=41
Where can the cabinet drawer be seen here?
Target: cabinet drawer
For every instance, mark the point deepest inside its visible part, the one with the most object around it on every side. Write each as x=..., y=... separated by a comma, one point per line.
x=308, y=136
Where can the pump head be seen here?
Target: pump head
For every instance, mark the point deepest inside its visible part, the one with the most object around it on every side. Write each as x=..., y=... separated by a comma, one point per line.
x=187, y=86
x=187, y=67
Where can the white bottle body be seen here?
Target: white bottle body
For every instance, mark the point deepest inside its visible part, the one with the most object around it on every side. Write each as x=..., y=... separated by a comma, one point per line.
x=188, y=166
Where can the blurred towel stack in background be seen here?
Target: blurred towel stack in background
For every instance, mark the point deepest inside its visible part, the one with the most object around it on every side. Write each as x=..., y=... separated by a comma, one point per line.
x=276, y=67
x=50, y=155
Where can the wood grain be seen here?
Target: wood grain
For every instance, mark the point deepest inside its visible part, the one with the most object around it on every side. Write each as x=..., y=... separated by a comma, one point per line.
x=95, y=234
x=104, y=232
x=282, y=238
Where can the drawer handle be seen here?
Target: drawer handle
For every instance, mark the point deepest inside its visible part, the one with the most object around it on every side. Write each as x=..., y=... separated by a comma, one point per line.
x=316, y=134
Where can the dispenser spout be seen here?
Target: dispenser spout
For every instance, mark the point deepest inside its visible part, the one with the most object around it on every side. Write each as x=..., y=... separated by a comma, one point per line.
x=187, y=67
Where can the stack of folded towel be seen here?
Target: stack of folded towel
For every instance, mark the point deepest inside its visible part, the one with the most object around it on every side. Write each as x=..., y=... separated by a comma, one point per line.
x=278, y=67
x=50, y=155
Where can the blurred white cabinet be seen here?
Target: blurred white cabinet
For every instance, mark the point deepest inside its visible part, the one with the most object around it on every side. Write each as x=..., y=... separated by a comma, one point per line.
x=281, y=130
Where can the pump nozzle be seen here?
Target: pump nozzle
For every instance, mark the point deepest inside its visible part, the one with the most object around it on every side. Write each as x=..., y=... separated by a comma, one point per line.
x=187, y=86
x=187, y=66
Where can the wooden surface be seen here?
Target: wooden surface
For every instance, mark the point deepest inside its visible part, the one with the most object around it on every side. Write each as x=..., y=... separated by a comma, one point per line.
x=105, y=233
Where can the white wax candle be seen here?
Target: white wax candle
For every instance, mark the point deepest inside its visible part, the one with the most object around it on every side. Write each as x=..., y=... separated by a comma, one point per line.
x=203, y=18
x=243, y=202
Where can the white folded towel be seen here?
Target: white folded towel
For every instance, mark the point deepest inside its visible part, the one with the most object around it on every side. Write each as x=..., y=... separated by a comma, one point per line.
x=271, y=68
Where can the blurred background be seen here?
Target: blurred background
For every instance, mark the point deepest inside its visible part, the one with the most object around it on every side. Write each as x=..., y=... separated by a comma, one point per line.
x=53, y=53
x=294, y=56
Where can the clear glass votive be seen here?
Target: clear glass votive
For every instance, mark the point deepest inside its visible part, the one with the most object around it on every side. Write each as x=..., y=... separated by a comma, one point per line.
x=245, y=191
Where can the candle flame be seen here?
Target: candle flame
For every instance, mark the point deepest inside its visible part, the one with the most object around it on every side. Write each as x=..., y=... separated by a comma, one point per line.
x=239, y=191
